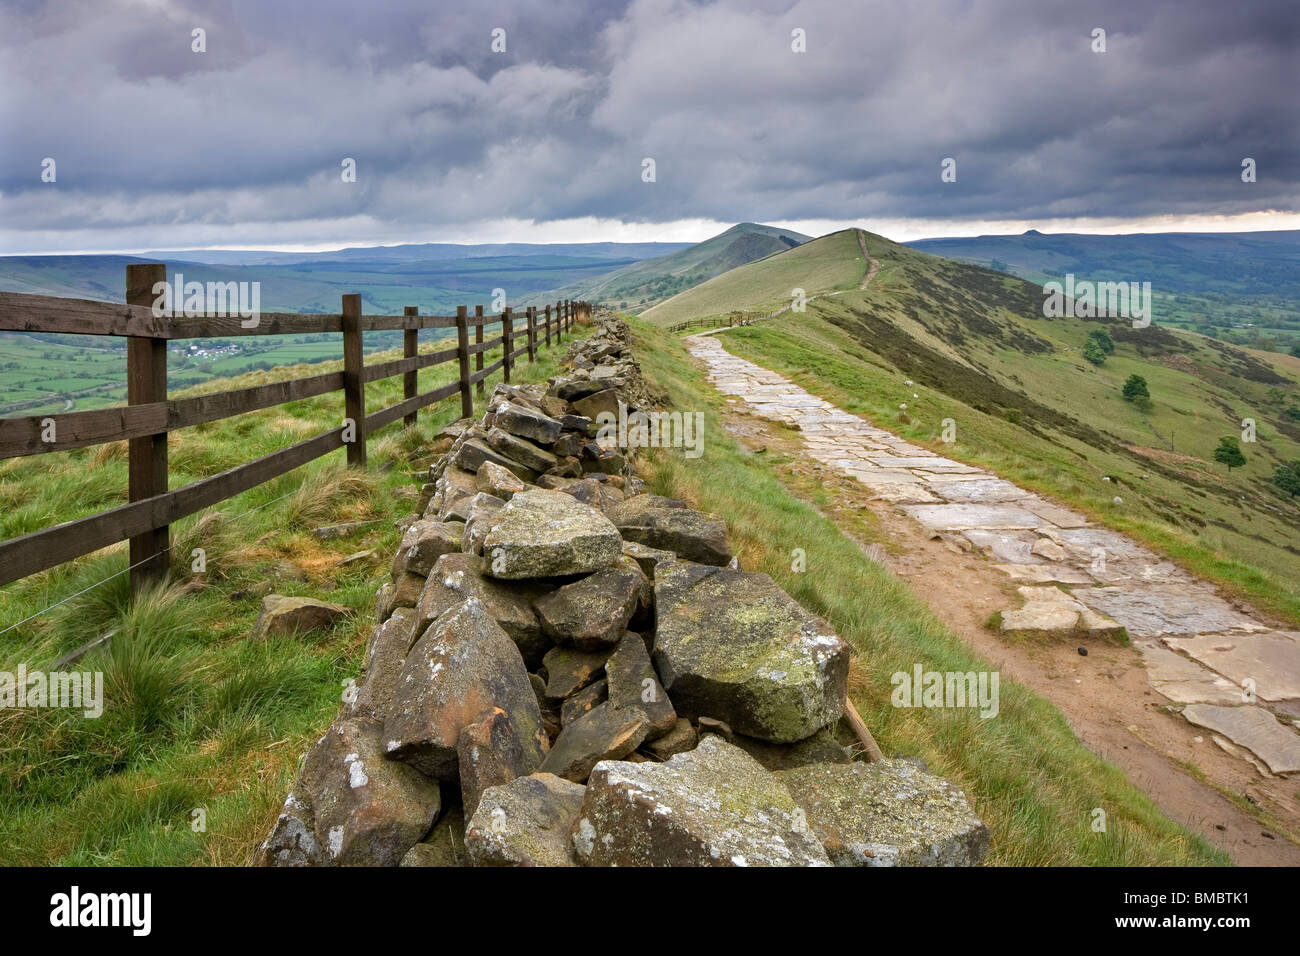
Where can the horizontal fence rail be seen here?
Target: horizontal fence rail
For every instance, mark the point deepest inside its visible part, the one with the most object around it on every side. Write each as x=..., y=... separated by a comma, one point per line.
x=147, y=418
x=729, y=321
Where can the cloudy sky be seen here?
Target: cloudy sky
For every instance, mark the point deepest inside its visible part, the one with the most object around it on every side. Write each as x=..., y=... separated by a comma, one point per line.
x=160, y=147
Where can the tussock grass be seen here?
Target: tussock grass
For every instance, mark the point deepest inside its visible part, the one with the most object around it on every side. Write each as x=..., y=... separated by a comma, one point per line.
x=1030, y=778
x=199, y=724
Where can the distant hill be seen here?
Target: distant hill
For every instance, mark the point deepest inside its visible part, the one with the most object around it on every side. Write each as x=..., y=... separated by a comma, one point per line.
x=644, y=283
x=830, y=263
x=419, y=252
x=1242, y=287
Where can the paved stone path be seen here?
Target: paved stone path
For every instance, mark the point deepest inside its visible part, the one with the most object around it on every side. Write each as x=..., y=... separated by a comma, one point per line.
x=1199, y=649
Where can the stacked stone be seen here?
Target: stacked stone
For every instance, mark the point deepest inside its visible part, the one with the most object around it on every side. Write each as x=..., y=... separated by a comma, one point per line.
x=571, y=670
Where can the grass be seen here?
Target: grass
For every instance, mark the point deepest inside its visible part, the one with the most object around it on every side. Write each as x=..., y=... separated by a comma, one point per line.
x=202, y=730
x=1029, y=777
x=827, y=264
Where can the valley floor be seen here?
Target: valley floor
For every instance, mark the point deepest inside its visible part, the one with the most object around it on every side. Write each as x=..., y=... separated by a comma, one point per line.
x=1167, y=707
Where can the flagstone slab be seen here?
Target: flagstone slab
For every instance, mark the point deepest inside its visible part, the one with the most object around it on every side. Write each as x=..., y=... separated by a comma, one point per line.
x=1161, y=610
x=1045, y=573
x=1008, y=547
x=981, y=491
x=1253, y=728
x=1271, y=660
x=1061, y=517
x=961, y=517
x=1185, y=681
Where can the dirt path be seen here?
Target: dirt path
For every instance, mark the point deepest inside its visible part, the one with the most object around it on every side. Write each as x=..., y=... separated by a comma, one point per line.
x=971, y=544
x=872, y=265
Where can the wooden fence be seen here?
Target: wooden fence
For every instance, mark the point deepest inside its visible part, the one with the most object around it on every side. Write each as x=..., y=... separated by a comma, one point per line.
x=730, y=320
x=147, y=418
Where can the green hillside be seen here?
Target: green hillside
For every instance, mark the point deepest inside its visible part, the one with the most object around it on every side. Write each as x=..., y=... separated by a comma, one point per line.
x=1240, y=287
x=1027, y=403
x=832, y=263
x=644, y=283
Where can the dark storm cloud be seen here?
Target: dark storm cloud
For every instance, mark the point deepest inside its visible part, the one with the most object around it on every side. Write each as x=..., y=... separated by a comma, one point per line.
x=152, y=139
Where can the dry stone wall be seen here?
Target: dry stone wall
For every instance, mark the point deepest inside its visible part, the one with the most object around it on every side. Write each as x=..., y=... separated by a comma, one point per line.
x=569, y=670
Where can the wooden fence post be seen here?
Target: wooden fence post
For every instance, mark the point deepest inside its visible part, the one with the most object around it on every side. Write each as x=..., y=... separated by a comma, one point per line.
x=462, y=354
x=478, y=340
x=532, y=334
x=410, y=349
x=548, y=326
x=354, y=389
x=507, y=328
x=146, y=382
x=559, y=325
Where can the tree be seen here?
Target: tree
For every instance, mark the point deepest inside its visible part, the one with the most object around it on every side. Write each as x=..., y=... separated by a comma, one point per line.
x=1103, y=339
x=1287, y=477
x=1094, y=352
x=1229, y=453
x=1135, y=391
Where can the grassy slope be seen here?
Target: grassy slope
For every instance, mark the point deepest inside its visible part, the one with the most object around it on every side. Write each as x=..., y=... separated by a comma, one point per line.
x=1031, y=780
x=968, y=340
x=196, y=717
x=827, y=264
x=652, y=280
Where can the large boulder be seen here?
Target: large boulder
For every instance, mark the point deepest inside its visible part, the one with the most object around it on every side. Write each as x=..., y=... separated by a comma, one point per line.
x=711, y=806
x=462, y=666
x=593, y=613
x=890, y=813
x=364, y=810
x=290, y=615
x=734, y=646
x=663, y=523
x=457, y=577
x=526, y=822
x=540, y=534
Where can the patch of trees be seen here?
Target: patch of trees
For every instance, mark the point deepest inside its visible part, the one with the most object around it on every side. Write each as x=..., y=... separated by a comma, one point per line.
x=1098, y=346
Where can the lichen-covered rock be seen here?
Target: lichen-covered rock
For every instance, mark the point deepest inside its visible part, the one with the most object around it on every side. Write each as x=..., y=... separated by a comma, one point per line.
x=471, y=454
x=633, y=684
x=520, y=450
x=497, y=481
x=365, y=810
x=457, y=577
x=680, y=738
x=734, y=646
x=525, y=822
x=647, y=558
x=821, y=747
x=540, y=534
x=582, y=701
x=462, y=666
x=604, y=402
x=890, y=813
x=478, y=520
x=385, y=655
x=661, y=523
x=289, y=615
x=603, y=733
x=594, y=612
x=569, y=670
x=711, y=806
x=526, y=423
x=490, y=752
x=422, y=545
